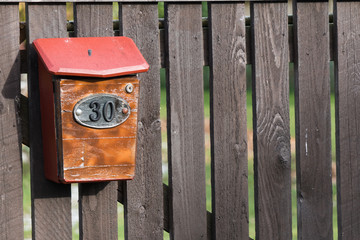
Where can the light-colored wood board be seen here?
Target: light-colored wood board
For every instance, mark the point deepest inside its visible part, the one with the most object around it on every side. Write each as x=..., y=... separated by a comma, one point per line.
x=97, y=201
x=51, y=202
x=313, y=121
x=272, y=154
x=11, y=201
x=144, y=194
x=347, y=84
x=230, y=215
x=185, y=121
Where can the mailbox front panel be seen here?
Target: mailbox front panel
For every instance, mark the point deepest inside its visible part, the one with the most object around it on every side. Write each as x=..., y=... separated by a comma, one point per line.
x=97, y=128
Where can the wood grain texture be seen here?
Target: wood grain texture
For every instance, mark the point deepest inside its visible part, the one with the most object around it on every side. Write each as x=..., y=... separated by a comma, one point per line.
x=51, y=202
x=185, y=109
x=166, y=218
x=93, y=20
x=313, y=121
x=144, y=194
x=88, y=153
x=11, y=200
x=347, y=86
x=97, y=210
x=272, y=164
x=101, y=220
x=228, y=121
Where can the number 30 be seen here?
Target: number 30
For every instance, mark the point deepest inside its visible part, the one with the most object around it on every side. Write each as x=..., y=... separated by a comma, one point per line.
x=109, y=106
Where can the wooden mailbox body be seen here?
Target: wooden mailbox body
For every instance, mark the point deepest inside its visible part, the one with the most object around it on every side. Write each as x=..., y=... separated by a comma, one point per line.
x=89, y=101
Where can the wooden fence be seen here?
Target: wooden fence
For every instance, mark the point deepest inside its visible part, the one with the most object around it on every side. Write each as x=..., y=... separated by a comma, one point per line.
x=226, y=45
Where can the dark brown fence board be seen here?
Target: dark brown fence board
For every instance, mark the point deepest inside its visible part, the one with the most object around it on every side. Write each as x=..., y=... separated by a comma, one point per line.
x=228, y=121
x=347, y=85
x=93, y=20
x=272, y=164
x=97, y=201
x=313, y=121
x=11, y=200
x=51, y=202
x=144, y=194
x=98, y=210
x=185, y=102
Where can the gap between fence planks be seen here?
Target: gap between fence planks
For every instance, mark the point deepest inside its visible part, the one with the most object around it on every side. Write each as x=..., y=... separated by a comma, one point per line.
x=347, y=98
x=51, y=202
x=272, y=163
x=11, y=200
x=97, y=201
x=313, y=121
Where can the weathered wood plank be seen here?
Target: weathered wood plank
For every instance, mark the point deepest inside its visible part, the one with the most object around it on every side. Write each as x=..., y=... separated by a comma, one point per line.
x=93, y=20
x=98, y=210
x=347, y=84
x=313, y=120
x=166, y=218
x=51, y=202
x=272, y=164
x=144, y=194
x=97, y=201
x=228, y=121
x=11, y=200
x=185, y=109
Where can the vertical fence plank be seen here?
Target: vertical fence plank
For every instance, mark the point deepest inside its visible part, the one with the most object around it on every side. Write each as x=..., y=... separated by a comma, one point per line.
x=11, y=200
x=93, y=19
x=228, y=121
x=98, y=210
x=347, y=66
x=51, y=202
x=313, y=120
x=144, y=199
x=185, y=101
x=272, y=165
x=97, y=201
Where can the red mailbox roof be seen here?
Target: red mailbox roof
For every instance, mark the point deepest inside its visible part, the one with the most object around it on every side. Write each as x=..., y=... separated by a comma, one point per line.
x=91, y=57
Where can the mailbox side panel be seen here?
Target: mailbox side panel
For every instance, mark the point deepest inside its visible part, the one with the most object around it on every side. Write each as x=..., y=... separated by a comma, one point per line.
x=91, y=154
x=48, y=126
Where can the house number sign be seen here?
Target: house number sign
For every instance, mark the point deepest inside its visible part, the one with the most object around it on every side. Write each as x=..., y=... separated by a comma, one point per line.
x=101, y=111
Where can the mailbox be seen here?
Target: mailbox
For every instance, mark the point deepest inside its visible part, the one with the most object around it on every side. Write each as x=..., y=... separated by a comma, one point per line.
x=89, y=100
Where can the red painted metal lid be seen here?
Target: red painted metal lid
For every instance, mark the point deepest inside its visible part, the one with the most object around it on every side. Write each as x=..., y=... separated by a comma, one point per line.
x=91, y=57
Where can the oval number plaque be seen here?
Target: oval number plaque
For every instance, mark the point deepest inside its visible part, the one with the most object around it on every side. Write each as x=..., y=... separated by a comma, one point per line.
x=101, y=111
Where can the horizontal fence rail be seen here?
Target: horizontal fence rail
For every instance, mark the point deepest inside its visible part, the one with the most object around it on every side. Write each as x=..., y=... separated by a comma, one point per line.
x=205, y=24
x=183, y=43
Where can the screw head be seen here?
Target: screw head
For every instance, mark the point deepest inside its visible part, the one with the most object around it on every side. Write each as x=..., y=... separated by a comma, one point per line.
x=78, y=112
x=129, y=88
x=125, y=110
